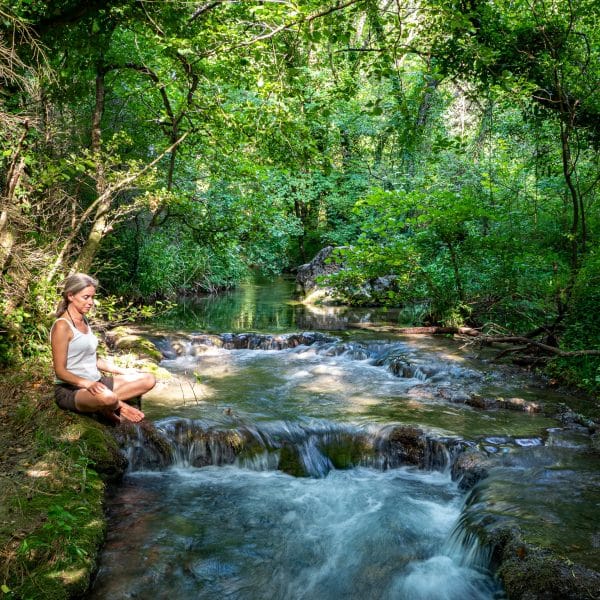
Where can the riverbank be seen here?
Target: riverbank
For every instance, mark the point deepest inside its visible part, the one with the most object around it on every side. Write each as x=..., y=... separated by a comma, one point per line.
x=54, y=469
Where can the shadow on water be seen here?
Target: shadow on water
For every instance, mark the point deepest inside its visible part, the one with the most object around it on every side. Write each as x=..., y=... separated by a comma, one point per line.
x=319, y=465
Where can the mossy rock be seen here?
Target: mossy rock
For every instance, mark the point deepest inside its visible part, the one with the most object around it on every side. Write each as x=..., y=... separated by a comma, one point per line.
x=528, y=572
x=470, y=467
x=123, y=339
x=408, y=445
x=63, y=522
x=290, y=461
x=347, y=451
x=104, y=451
x=531, y=574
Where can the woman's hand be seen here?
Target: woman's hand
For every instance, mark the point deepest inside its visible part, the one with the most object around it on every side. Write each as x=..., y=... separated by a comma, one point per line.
x=96, y=387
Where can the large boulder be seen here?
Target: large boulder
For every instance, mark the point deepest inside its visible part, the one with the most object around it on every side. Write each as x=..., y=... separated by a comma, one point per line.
x=321, y=264
x=373, y=292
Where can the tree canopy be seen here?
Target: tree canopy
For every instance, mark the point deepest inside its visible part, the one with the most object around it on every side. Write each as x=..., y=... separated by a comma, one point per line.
x=171, y=147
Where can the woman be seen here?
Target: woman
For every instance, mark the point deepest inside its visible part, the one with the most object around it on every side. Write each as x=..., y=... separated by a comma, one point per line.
x=80, y=387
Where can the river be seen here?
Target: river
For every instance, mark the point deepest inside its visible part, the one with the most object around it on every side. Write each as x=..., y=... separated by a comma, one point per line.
x=287, y=473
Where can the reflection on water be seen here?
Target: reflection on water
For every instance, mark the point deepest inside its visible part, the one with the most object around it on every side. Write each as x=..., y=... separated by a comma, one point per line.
x=264, y=305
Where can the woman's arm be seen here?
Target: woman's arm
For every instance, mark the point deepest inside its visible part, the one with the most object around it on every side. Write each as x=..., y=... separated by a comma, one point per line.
x=109, y=367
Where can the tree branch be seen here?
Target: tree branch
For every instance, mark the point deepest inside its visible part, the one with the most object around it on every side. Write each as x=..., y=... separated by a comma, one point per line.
x=204, y=8
x=285, y=26
x=481, y=338
x=108, y=193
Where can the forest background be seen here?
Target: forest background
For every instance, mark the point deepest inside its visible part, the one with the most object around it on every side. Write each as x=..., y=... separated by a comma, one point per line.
x=172, y=147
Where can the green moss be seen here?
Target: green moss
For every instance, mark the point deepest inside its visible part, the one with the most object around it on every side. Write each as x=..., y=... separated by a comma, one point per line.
x=123, y=339
x=58, y=557
x=347, y=451
x=528, y=573
x=103, y=450
x=290, y=462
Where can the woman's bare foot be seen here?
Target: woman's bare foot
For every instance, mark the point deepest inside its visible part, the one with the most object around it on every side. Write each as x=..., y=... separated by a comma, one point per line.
x=130, y=413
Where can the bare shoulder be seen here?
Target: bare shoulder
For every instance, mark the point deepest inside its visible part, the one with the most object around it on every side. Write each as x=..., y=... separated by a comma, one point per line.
x=61, y=328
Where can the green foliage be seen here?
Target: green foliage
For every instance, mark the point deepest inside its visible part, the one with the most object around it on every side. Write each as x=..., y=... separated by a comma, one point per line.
x=57, y=530
x=115, y=311
x=582, y=330
x=24, y=329
x=451, y=150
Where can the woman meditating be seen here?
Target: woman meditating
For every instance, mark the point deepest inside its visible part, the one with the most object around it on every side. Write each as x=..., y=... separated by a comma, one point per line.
x=80, y=387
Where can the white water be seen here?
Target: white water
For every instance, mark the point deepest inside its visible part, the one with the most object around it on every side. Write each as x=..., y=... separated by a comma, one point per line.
x=343, y=382
x=227, y=532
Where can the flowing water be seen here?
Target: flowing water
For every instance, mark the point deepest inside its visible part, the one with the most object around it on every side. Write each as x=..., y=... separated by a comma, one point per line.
x=309, y=460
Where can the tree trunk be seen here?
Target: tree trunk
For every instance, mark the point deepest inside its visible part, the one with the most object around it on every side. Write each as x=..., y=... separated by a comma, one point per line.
x=15, y=172
x=100, y=224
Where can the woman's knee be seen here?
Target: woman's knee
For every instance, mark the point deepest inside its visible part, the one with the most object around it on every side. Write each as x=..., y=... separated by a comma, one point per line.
x=149, y=381
x=108, y=400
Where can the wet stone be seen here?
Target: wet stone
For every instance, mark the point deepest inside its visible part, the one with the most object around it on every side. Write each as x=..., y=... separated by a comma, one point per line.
x=520, y=404
x=471, y=467
x=407, y=446
x=528, y=442
x=482, y=403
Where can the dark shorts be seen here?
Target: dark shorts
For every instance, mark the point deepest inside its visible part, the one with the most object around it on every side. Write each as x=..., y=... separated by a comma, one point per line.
x=64, y=393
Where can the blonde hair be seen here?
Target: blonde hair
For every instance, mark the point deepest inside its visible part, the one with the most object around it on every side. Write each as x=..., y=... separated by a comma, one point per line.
x=71, y=285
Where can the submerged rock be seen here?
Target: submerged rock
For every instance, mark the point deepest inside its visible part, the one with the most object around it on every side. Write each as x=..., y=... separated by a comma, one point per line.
x=470, y=468
x=530, y=573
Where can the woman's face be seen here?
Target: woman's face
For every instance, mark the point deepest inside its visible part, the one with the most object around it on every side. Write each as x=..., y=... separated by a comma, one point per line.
x=83, y=300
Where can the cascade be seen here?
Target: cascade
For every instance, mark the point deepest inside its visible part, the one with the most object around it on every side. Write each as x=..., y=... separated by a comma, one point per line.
x=310, y=448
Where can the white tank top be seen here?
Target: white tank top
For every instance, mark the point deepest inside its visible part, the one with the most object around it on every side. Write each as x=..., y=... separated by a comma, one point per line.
x=81, y=353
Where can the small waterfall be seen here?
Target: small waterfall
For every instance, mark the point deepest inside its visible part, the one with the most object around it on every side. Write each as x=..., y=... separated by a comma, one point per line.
x=301, y=449
x=200, y=343
x=469, y=541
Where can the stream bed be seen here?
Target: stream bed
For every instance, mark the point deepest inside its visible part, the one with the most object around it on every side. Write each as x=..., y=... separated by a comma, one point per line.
x=301, y=458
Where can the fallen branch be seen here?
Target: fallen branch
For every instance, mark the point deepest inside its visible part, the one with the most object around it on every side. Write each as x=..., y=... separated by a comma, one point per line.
x=417, y=330
x=487, y=339
x=525, y=342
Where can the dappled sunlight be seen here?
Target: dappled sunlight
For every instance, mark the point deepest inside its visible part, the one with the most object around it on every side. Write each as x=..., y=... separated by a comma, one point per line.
x=37, y=473
x=361, y=403
x=179, y=391
x=69, y=576
x=418, y=380
x=71, y=435
x=94, y=524
x=50, y=469
x=444, y=350
x=421, y=393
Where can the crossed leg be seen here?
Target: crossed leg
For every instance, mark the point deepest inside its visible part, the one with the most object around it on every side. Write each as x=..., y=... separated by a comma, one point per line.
x=111, y=402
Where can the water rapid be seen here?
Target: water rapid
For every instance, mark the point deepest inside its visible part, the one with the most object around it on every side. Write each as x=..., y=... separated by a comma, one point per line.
x=319, y=463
